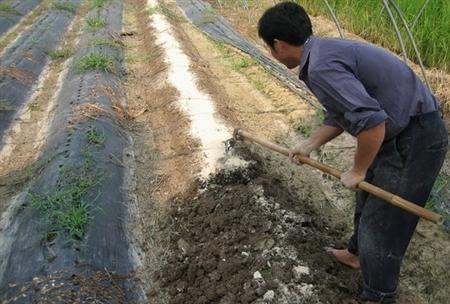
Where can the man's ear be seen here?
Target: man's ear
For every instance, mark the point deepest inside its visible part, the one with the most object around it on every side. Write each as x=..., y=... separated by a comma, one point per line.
x=277, y=44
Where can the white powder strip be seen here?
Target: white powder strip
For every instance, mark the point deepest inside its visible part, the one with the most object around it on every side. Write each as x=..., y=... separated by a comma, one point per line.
x=198, y=105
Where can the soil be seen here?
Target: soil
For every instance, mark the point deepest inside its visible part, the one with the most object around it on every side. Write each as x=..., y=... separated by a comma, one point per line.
x=251, y=220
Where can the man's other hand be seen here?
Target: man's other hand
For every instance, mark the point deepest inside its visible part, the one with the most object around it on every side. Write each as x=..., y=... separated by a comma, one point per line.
x=302, y=149
x=351, y=179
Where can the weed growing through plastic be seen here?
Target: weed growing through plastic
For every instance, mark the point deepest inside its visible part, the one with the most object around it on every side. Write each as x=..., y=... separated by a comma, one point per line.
x=65, y=205
x=96, y=23
x=62, y=53
x=6, y=9
x=5, y=106
x=99, y=3
x=34, y=41
x=94, y=137
x=64, y=6
x=96, y=62
x=105, y=42
x=437, y=196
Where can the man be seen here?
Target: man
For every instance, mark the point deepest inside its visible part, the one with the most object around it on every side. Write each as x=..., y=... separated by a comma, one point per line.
x=401, y=138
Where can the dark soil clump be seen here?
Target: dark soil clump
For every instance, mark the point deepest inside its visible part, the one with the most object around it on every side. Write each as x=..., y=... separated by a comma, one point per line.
x=248, y=237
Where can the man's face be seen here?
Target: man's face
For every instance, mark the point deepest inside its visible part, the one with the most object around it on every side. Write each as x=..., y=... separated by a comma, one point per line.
x=284, y=53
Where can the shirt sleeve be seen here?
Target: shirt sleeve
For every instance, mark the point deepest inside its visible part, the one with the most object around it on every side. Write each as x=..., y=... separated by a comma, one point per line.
x=331, y=119
x=345, y=98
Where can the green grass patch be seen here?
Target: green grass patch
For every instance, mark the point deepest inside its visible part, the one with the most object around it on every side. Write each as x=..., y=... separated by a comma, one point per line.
x=6, y=9
x=94, y=137
x=105, y=42
x=307, y=125
x=97, y=62
x=64, y=6
x=5, y=106
x=99, y=3
x=370, y=20
x=304, y=126
x=241, y=63
x=96, y=23
x=437, y=196
x=65, y=205
x=62, y=53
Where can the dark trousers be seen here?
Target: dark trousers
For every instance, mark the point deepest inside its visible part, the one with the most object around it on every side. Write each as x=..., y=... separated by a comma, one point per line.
x=406, y=165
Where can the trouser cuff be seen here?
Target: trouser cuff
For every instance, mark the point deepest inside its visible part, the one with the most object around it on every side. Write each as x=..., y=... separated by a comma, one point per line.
x=373, y=295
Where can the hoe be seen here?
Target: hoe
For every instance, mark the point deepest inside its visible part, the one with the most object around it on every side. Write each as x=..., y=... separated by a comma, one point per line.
x=393, y=199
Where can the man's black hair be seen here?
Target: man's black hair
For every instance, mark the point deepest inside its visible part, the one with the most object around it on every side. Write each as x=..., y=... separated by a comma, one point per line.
x=285, y=21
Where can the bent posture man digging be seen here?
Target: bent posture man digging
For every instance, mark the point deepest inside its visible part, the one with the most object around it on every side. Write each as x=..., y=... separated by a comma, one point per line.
x=401, y=138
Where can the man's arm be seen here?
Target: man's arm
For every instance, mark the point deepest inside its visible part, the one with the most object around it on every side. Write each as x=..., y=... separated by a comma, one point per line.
x=322, y=135
x=369, y=143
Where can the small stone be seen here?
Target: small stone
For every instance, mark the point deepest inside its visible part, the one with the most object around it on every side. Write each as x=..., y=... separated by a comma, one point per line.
x=300, y=271
x=257, y=275
x=306, y=289
x=245, y=254
x=269, y=296
x=183, y=246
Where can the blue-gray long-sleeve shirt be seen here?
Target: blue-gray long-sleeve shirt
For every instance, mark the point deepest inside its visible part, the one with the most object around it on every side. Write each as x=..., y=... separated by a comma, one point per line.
x=361, y=85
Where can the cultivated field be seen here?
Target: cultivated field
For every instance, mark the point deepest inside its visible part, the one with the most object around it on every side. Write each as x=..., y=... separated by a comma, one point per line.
x=119, y=178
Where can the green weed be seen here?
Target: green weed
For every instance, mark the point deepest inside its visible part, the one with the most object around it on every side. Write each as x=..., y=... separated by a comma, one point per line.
x=99, y=3
x=304, y=126
x=64, y=6
x=166, y=11
x=436, y=196
x=97, y=62
x=65, y=205
x=241, y=63
x=62, y=53
x=94, y=137
x=105, y=42
x=6, y=9
x=208, y=16
x=5, y=106
x=34, y=41
x=96, y=23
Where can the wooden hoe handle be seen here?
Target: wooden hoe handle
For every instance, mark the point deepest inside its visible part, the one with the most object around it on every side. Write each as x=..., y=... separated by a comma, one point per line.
x=383, y=194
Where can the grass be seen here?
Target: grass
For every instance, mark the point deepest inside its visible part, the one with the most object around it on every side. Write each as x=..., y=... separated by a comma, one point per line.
x=166, y=11
x=97, y=62
x=307, y=125
x=64, y=6
x=95, y=138
x=436, y=196
x=105, y=42
x=99, y=3
x=96, y=23
x=5, y=106
x=34, y=41
x=6, y=9
x=65, y=206
x=62, y=53
x=241, y=63
x=370, y=20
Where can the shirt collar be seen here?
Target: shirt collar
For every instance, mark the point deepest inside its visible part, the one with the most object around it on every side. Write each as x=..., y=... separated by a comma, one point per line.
x=306, y=50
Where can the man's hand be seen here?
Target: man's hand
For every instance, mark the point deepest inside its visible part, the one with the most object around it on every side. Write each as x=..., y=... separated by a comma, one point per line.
x=302, y=149
x=351, y=178
x=320, y=136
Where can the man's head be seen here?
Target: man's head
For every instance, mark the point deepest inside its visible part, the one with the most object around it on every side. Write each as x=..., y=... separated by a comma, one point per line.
x=285, y=28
